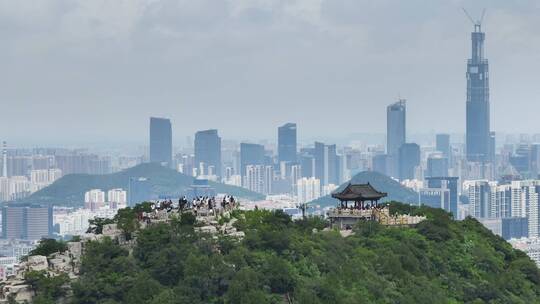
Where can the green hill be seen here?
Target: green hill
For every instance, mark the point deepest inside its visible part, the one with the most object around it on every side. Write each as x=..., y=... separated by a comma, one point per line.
x=69, y=190
x=381, y=182
x=438, y=261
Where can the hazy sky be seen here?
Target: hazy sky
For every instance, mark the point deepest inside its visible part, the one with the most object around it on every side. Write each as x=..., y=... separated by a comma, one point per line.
x=96, y=70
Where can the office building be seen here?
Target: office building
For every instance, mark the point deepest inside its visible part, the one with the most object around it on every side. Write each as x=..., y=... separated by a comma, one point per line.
x=208, y=150
x=287, y=143
x=515, y=227
x=535, y=161
x=450, y=184
x=380, y=163
x=250, y=154
x=307, y=162
x=139, y=190
x=435, y=198
x=161, y=141
x=409, y=160
x=477, y=105
x=4, y=160
x=395, y=134
x=442, y=144
x=326, y=164
x=32, y=223
x=437, y=165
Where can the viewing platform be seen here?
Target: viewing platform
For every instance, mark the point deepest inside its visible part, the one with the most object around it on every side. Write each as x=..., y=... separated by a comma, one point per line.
x=366, y=207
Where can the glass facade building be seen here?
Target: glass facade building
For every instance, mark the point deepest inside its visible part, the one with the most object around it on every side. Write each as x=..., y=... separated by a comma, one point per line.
x=208, y=150
x=160, y=141
x=477, y=106
x=287, y=143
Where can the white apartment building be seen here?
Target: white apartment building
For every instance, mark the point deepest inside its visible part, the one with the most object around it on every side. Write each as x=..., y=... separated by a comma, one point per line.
x=259, y=178
x=530, y=245
x=487, y=200
x=308, y=189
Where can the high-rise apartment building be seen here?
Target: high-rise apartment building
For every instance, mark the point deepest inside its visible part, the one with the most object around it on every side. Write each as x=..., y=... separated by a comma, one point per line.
x=94, y=199
x=308, y=189
x=479, y=193
x=259, y=178
x=116, y=197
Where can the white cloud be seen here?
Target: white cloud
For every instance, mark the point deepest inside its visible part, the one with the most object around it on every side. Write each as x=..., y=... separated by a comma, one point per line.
x=291, y=60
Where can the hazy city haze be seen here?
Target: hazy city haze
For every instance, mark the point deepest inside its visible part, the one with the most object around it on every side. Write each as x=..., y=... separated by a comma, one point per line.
x=97, y=70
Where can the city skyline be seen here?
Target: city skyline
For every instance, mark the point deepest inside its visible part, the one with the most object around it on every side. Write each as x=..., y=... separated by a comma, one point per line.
x=348, y=73
x=265, y=151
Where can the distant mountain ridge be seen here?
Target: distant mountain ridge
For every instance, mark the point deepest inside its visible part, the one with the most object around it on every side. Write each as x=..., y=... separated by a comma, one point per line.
x=69, y=190
x=381, y=182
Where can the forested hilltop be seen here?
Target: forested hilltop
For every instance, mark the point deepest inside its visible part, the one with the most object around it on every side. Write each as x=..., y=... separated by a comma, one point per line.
x=69, y=190
x=281, y=261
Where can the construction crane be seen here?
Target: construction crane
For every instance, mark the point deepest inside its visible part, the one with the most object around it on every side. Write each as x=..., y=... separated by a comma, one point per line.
x=477, y=24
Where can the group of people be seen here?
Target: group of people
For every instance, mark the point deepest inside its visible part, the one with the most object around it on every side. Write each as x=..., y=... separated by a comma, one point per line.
x=363, y=206
x=163, y=205
x=210, y=203
x=197, y=203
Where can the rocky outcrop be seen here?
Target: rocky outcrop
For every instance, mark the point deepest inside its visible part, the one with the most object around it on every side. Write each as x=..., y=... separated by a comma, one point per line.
x=69, y=261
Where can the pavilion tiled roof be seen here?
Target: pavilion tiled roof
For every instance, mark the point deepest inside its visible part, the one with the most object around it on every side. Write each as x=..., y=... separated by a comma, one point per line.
x=358, y=192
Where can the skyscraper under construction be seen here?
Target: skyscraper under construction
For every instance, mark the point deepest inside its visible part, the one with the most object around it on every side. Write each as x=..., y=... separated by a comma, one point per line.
x=478, y=130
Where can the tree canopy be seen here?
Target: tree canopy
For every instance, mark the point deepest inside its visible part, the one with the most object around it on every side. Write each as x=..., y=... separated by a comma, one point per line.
x=438, y=261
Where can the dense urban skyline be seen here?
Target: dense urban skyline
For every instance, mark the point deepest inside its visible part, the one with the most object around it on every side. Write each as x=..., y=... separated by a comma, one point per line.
x=83, y=64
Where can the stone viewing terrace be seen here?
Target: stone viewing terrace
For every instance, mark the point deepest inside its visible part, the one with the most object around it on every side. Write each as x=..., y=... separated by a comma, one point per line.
x=361, y=202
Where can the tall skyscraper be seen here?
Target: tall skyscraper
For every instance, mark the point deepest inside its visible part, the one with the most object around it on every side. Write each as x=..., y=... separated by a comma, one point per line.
x=395, y=134
x=442, y=144
x=492, y=147
x=326, y=164
x=160, y=141
x=478, y=132
x=208, y=150
x=409, y=159
x=307, y=162
x=250, y=154
x=4, y=159
x=287, y=143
